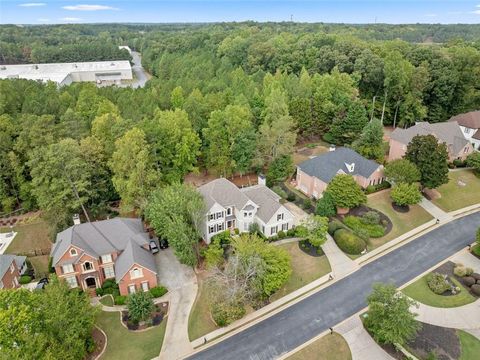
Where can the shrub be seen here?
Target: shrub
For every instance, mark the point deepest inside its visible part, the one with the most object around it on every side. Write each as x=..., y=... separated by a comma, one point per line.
x=349, y=242
x=120, y=300
x=158, y=291
x=370, y=189
x=237, y=231
x=279, y=191
x=370, y=218
x=291, y=232
x=273, y=238
x=99, y=291
x=140, y=306
x=222, y=238
x=300, y=229
x=468, y=281
x=334, y=225
x=326, y=205
x=406, y=194
x=476, y=250
x=90, y=344
x=460, y=271
x=25, y=279
x=291, y=196
x=476, y=289
x=468, y=271
x=109, y=283
x=459, y=163
x=437, y=283
x=224, y=314
x=281, y=234
x=362, y=229
x=307, y=204
x=213, y=255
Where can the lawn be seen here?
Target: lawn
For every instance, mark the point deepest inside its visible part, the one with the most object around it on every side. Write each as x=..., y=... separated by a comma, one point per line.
x=107, y=300
x=40, y=264
x=125, y=344
x=305, y=269
x=199, y=321
x=456, y=196
x=328, y=347
x=402, y=222
x=470, y=346
x=420, y=291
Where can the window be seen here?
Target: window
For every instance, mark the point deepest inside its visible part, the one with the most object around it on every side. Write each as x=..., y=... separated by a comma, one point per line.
x=466, y=149
x=12, y=268
x=263, y=229
x=136, y=273
x=250, y=214
x=211, y=229
x=73, y=252
x=245, y=226
x=131, y=289
x=87, y=266
x=67, y=268
x=285, y=227
x=211, y=217
x=71, y=281
x=220, y=227
x=229, y=211
x=145, y=286
x=279, y=217
x=109, y=272
x=106, y=259
x=245, y=214
x=273, y=230
x=466, y=131
x=219, y=215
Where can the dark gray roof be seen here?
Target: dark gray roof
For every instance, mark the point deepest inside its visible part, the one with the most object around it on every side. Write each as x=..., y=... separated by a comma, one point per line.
x=268, y=202
x=326, y=166
x=6, y=261
x=133, y=254
x=100, y=237
x=223, y=192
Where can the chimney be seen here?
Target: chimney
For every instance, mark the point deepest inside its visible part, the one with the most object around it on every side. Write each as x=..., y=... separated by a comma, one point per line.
x=262, y=180
x=76, y=219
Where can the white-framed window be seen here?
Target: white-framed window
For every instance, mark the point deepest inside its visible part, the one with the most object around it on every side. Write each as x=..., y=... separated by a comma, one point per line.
x=109, y=272
x=12, y=268
x=211, y=229
x=88, y=266
x=273, y=230
x=285, y=227
x=220, y=227
x=466, y=130
x=263, y=229
x=73, y=252
x=71, y=281
x=219, y=215
x=106, y=259
x=136, y=273
x=145, y=287
x=245, y=226
x=131, y=289
x=211, y=216
x=67, y=268
x=245, y=214
x=250, y=214
x=279, y=217
x=229, y=211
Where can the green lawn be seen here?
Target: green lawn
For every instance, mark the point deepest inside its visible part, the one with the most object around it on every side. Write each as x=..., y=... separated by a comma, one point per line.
x=328, y=347
x=402, y=222
x=305, y=269
x=455, y=196
x=470, y=346
x=420, y=291
x=40, y=264
x=199, y=321
x=125, y=344
x=107, y=300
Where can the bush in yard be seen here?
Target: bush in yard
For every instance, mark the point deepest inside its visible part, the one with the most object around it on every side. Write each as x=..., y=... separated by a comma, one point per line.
x=99, y=291
x=346, y=192
x=291, y=196
x=224, y=314
x=307, y=204
x=140, y=306
x=404, y=194
x=223, y=238
x=473, y=160
x=370, y=218
x=299, y=230
x=402, y=171
x=291, y=232
x=25, y=279
x=437, y=283
x=120, y=300
x=280, y=169
x=460, y=270
x=349, y=242
x=359, y=227
x=476, y=250
x=314, y=229
x=213, y=254
x=281, y=234
x=279, y=191
x=158, y=291
x=326, y=205
x=334, y=225
x=476, y=289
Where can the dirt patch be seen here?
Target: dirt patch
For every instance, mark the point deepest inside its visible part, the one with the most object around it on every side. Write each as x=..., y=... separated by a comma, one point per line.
x=431, y=194
x=443, y=342
x=309, y=249
x=159, y=312
x=100, y=341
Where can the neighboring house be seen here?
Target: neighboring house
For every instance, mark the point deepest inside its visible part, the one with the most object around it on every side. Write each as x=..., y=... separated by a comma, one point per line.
x=11, y=268
x=314, y=175
x=85, y=255
x=470, y=126
x=448, y=132
x=229, y=208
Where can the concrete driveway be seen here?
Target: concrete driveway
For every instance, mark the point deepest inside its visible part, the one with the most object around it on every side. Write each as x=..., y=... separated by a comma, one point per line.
x=181, y=282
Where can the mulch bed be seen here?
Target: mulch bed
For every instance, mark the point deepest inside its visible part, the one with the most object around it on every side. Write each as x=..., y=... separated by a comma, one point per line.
x=309, y=249
x=447, y=269
x=156, y=318
x=362, y=209
x=100, y=340
x=401, y=209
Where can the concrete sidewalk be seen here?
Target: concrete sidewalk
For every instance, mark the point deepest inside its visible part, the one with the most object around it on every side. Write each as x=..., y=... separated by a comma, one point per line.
x=435, y=211
x=340, y=263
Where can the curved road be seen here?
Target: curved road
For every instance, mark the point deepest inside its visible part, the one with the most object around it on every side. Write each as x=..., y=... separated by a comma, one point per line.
x=304, y=320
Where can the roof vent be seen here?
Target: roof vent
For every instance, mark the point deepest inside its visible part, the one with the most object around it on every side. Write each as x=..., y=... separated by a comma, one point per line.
x=350, y=167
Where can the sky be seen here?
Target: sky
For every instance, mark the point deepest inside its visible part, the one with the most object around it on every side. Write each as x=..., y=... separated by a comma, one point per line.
x=167, y=11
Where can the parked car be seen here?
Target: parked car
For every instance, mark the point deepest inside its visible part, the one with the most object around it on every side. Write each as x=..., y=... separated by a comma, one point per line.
x=41, y=284
x=163, y=244
x=153, y=247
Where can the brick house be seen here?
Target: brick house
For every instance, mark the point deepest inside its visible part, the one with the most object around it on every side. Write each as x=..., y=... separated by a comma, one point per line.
x=85, y=255
x=449, y=133
x=314, y=175
x=11, y=268
x=470, y=126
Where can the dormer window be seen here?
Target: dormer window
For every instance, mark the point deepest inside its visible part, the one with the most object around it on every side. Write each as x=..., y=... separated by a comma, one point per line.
x=136, y=273
x=350, y=167
x=229, y=211
x=73, y=252
x=87, y=266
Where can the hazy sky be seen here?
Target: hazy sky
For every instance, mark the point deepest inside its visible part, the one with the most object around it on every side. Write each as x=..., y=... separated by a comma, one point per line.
x=387, y=11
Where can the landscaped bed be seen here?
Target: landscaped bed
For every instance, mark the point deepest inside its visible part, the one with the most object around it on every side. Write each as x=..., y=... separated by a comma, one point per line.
x=156, y=317
x=462, y=190
x=100, y=341
x=329, y=347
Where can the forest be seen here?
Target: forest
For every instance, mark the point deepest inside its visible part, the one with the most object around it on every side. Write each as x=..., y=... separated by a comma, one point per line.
x=231, y=98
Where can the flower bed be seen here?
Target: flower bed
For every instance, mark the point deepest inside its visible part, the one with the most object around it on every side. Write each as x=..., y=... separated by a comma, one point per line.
x=160, y=311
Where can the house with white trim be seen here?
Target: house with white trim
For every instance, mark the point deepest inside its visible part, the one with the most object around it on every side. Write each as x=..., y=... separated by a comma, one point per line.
x=470, y=125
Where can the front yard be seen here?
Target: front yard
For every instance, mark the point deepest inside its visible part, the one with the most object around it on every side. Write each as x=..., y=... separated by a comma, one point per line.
x=200, y=322
x=125, y=344
x=462, y=190
x=328, y=347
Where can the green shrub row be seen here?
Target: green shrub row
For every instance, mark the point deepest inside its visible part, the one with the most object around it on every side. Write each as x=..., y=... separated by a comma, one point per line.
x=158, y=291
x=360, y=227
x=348, y=242
x=374, y=188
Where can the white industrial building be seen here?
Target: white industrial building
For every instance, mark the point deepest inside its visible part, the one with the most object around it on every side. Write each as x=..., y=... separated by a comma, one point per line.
x=100, y=72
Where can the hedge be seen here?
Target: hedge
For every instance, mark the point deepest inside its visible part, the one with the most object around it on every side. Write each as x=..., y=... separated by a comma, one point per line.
x=348, y=242
x=356, y=224
x=334, y=225
x=158, y=291
x=120, y=300
x=25, y=279
x=379, y=187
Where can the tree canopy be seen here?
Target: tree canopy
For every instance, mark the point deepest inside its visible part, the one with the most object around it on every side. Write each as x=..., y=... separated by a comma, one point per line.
x=345, y=191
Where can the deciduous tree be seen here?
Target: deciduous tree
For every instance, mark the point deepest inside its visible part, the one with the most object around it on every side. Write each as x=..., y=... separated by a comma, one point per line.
x=402, y=171
x=346, y=192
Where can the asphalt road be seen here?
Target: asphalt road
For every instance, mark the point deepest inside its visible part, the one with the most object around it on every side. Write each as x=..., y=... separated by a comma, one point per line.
x=299, y=323
x=140, y=74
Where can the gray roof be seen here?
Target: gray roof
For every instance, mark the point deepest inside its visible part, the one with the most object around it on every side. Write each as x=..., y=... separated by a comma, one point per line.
x=223, y=192
x=326, y=166
x=6, y=261
x=447, y=132
x=268, y=202
x=133, y=254
x=100, y=237
x=470, y=119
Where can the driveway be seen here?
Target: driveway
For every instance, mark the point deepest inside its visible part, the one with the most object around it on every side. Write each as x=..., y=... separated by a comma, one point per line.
x=304, y=320
x=140, y=73
x=181, y=283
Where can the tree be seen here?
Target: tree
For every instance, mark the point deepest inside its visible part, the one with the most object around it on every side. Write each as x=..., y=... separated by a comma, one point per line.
x=314, y=229
x=176, y=212
x=404, y=194
x=326, y=205
x=279, y=170
x=401, y=171
x=349, y=123
x=140, y=306
x=213, y=254
x=370, y=143
x=346, y=192
x=389, y=319
x=473, y=160
x=177, y=98
x=134, y=175
x=431, y=158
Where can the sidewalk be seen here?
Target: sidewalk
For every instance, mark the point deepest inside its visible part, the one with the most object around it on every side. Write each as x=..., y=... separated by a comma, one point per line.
x=340, y=263
x=435, y=211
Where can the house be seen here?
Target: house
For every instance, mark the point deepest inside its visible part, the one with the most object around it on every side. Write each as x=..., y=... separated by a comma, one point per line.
x=470, y=126
x=314, y=175
x=229, y=208
x=11, y=268
x=448, y=132
x=87, y=254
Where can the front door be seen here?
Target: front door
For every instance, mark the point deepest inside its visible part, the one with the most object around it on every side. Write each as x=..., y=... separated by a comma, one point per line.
x=91, y=282
x=231, y=224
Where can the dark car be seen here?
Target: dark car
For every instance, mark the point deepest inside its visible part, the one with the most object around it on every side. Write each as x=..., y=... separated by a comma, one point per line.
x=41, y=284
x=153, y=247
x=163, y=244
